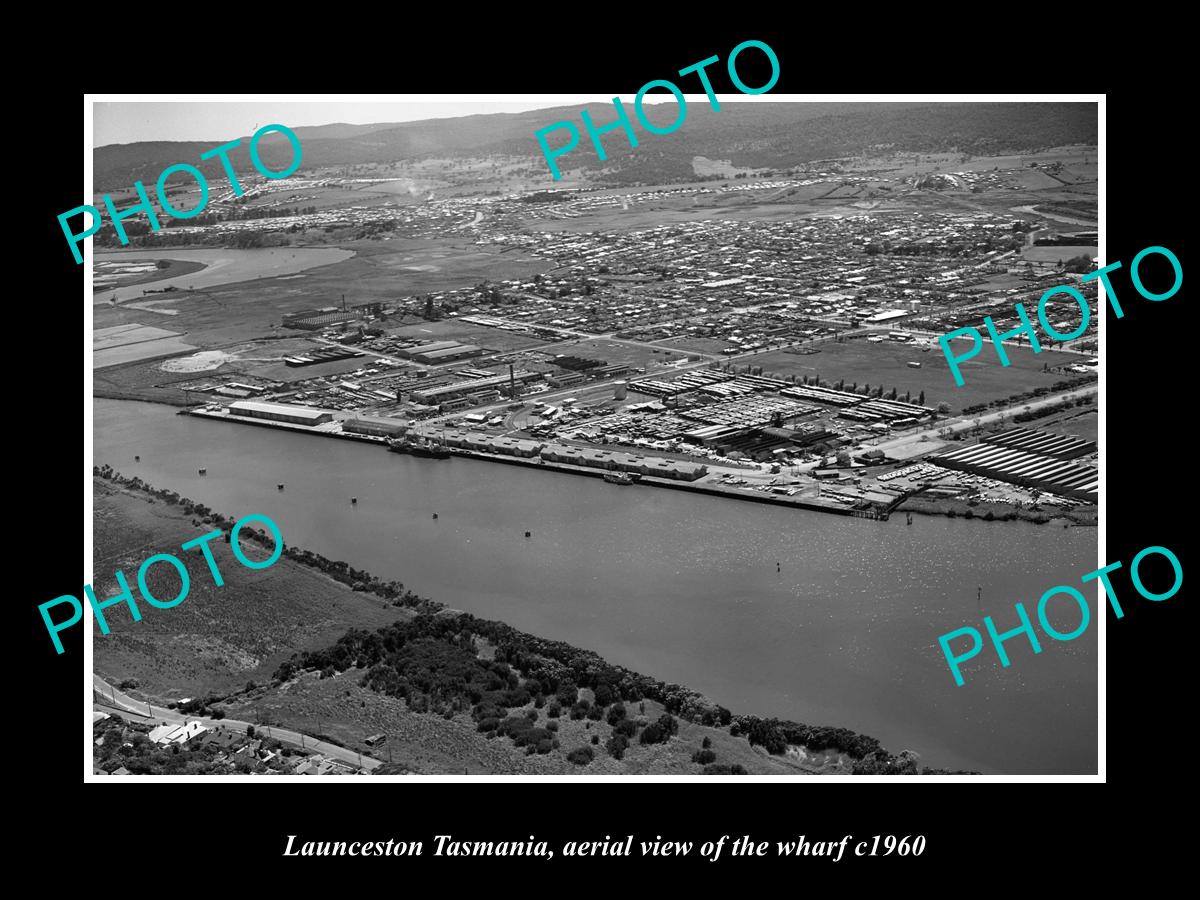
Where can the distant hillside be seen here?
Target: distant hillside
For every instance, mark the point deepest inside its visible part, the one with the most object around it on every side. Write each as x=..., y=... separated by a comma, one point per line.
x=747, y=134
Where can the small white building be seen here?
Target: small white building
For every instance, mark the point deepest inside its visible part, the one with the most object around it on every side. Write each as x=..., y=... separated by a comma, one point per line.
x=165, y=735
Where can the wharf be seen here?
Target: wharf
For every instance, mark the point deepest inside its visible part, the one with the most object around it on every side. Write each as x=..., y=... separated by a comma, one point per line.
x=730, y=493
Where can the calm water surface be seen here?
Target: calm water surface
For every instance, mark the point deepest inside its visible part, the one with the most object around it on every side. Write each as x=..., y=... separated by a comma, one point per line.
x=682, y=587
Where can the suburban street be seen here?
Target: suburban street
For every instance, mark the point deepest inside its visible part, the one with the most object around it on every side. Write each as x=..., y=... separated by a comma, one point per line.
x=126, y=705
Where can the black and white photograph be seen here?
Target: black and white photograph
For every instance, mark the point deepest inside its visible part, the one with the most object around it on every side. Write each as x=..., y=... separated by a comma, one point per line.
x=695, y=433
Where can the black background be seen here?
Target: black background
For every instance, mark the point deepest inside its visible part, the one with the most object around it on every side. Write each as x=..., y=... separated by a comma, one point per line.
x=1147, y=454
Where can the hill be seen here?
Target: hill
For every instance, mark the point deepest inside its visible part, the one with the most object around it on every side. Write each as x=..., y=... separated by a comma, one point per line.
x=747, y=134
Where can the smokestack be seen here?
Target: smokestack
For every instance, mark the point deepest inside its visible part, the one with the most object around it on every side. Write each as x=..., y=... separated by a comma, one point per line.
x=512, y=383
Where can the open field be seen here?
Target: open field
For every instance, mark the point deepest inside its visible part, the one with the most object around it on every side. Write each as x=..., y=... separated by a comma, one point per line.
x=1053, y=254
x=695, y=344
x=615, y=353
x=428, y=744
x=280, y=371
x=1078, y=159
x=1085, y=425
x=218, y=638
x=222, y=267
x=115, y=356
x=119, y=273
x=230, y=313
x=886, y=363
x=131, y=342
x=124, y=335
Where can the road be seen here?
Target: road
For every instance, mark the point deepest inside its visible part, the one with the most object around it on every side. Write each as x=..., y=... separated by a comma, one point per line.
x=123, y=702
x=966, y=422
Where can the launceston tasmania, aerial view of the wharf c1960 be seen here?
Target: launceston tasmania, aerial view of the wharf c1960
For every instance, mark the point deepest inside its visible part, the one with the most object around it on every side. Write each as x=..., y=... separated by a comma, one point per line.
x=654, y=468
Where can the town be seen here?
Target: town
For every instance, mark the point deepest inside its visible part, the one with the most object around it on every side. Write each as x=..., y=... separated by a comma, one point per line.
x=779, y=361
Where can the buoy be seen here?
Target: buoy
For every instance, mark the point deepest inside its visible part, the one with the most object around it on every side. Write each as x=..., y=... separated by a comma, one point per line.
x=137, y=459
x=435, y=515
x=280, y=485
x=528, y=534
x=204, y=471
x=353, y=500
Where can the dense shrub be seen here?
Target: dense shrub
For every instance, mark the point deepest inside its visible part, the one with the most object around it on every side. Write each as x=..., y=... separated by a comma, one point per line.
x=567, y=694
x=652, y=734
x=703, y=757
x=717, y=769
x=626, y=728
x=523, y=732
x=581, y=756
x=883, y=763
x=775, y=735
x=616, y=746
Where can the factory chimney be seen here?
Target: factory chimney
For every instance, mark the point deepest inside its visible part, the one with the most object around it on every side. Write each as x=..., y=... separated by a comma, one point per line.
x=512, y=383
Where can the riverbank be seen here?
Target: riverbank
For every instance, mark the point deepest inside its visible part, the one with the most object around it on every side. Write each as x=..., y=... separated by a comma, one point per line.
x=998, y=512
x=221, y=625
x=150, y=395
x=164, y=269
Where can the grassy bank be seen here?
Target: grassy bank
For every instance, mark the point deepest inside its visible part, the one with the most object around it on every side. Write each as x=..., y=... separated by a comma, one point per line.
x=997, y=512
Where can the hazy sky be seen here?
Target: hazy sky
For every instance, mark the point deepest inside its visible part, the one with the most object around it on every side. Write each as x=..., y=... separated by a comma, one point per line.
x=126, y=121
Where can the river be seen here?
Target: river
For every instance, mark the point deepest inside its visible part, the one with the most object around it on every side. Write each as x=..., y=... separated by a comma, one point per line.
x=679, y=586
x=221, y=266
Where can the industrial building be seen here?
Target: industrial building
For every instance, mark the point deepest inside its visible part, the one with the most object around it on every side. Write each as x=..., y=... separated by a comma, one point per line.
x=623, y=462
x=579, y=456
x=490, y=443
x=316, y=319
x=376, y=426
x=1045, y=443
x=280, y=412
x=437, y=352
x=1046, y=473
x=325, y=354
x=439, y=394
x=448, y=354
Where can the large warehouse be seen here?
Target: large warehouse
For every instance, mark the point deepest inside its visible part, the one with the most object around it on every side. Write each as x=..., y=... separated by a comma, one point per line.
x=377, y=426
x=1018, y=466
x=443, y=392
x=440, y=352
x=280, y=412
x=1044, y=443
